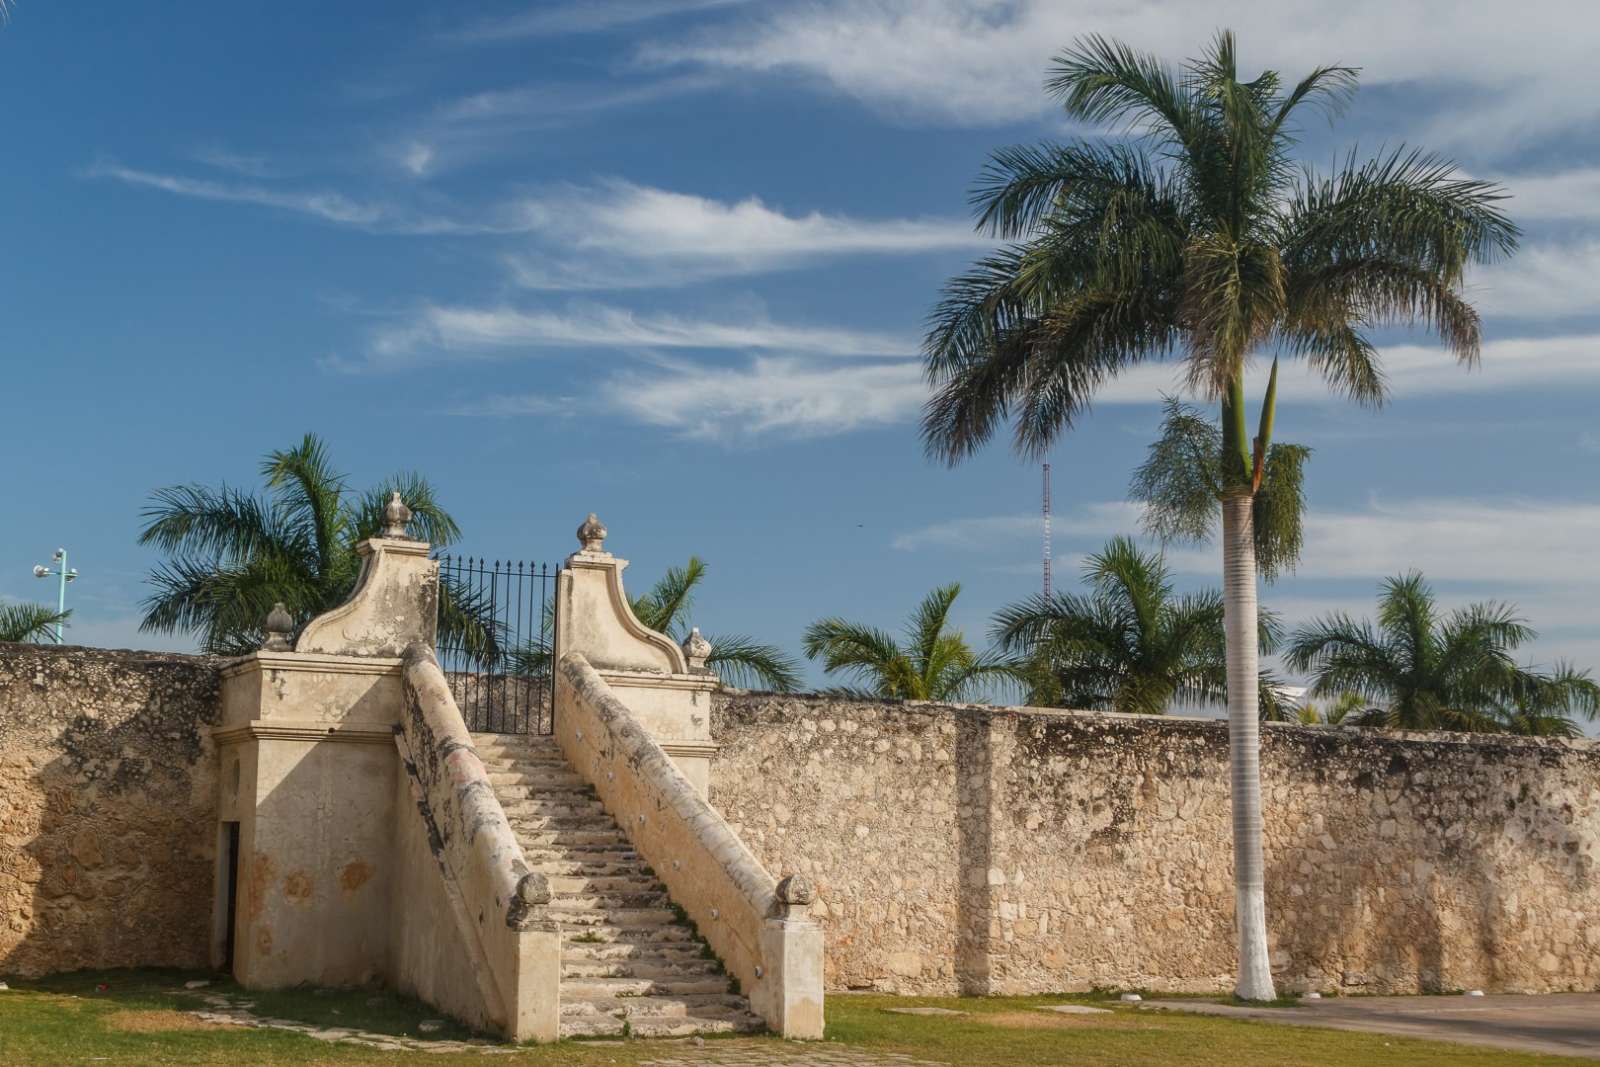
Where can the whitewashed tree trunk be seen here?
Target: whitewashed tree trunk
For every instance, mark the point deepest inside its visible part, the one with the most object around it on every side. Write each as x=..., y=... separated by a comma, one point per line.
x=1244, y=745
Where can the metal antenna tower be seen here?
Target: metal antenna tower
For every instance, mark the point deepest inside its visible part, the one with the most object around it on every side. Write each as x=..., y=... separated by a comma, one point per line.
x=1047, y=531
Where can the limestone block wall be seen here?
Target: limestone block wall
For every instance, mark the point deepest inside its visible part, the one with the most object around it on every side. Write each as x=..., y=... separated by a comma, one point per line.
x=107, y=808
x=1009, y=850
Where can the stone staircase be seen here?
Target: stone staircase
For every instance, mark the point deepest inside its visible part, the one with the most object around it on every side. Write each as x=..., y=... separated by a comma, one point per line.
x=629, y=962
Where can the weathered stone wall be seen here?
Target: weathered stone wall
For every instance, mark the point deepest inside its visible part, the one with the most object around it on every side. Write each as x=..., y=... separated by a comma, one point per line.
x=107, y=808
x=1010, y=850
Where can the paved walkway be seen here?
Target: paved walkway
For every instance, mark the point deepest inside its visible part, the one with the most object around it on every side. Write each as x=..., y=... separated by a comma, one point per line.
x=1566, y=1024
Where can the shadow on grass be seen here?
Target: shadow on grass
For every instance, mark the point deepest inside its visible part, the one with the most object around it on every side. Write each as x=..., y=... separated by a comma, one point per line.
x=373, y=1010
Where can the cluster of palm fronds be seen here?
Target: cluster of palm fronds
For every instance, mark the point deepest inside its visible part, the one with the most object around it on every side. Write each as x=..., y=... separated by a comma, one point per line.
x=1421, y=669
x=233, y=554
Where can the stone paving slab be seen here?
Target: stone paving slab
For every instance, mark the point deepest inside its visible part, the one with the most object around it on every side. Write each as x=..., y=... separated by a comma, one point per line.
x=1563, y=1024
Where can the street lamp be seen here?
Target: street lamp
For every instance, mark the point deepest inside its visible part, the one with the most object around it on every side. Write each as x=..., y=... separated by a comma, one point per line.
x=66, y=574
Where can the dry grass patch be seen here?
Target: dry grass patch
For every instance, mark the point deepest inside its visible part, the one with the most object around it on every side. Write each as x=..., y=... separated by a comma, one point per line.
x=160, y=1020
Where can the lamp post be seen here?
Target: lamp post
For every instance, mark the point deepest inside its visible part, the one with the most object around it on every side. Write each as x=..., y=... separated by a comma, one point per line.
x=66, y=574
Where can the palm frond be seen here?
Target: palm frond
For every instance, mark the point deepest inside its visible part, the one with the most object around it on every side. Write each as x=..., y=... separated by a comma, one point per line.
x=741, y=661
x=32, y=623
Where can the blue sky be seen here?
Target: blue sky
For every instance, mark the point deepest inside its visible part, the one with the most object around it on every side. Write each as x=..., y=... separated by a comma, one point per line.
x=670, y=260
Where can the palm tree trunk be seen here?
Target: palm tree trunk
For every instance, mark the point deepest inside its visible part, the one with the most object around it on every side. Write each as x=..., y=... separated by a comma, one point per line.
x=1244, y=743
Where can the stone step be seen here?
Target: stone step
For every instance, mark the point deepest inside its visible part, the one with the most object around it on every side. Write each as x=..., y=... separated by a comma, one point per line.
x=659, y=1026
x=542, y=805
x=574, y=970
x=568, y=840
x=592, y=989
x=563, y=864
x=647, y=952
x=564, y=859
x=628, y=882
x=619, y=934
x=704, y=1005
x=624, y=918
x=618, y=901
x=550, y=778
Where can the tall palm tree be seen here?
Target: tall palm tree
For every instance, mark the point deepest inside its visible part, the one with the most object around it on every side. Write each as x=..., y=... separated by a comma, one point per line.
x=1130, y=644
x=935, y=664
x=1196, y=236
x=234, y=554
x=1428, y=671
x=33, y=623
x=735, y=658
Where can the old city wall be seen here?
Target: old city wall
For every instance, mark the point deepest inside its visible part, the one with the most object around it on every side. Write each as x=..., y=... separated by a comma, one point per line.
x=107, y=808
x=1007, y=850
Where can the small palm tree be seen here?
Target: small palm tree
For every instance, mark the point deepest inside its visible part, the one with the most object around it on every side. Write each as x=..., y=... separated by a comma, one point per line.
x=234, y=554
x=1199, y=237
x=1428, y=671
x=735, y=658
x=1130, y=644
x=33, y=623
x=1543, y=705
x=935, y=664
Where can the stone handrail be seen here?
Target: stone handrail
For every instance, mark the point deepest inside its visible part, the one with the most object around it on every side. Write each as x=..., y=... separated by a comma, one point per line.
x=756, y=924
x=514, y=950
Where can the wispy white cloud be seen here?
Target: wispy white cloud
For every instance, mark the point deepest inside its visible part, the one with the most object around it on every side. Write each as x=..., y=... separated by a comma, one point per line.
x=1572, y=195
x=772, y=396
x=325, y=206
x=521, y=405
x=489, y=123
x=1543, y=281
x=982, y=61
x=590, y=16
x=251, y=166
x=1509, y=365
x=619, y=233
x=436, y=332
x=1092, y=520
x=1495, y=542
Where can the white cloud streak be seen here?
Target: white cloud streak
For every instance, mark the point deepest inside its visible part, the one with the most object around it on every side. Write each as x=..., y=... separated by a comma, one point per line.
x=773, y=396
x=435, y=333
x=619, y=233
x=589, y=16
x=324, y=206
x=983, y=61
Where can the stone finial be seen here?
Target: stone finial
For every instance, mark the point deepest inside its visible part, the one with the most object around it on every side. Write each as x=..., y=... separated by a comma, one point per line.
x=396, y=516
x=592, y=534
x=533, y=893
x=796, y=889
x=279, y=625
x=696, y=649
x=793, y=896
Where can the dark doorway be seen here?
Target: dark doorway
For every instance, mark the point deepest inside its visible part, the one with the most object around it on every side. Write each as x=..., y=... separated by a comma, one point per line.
x=232, y=889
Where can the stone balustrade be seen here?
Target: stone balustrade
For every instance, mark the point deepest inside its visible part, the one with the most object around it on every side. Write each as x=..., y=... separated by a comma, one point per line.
x=756, y=924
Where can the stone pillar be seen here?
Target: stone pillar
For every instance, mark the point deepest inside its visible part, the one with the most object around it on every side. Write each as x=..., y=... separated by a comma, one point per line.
x=309, y=772
x=648, y=671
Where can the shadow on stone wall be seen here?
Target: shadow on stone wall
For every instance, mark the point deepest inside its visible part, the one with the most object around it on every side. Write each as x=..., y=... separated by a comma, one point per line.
x=1441, y=919
x=974, y=780
x=116, y=812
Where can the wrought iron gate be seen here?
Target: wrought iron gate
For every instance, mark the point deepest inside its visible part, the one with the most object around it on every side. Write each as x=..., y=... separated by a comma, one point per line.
x=497, y=630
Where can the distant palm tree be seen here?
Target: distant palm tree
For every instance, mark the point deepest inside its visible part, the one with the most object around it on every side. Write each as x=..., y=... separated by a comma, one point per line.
x=1130, y=644
x=1332, y=713
x=234, y=554
x=735, y=658
x=1428, y=671
x=934, y=664
x=1199, y=237
x=1543, y=705
x=33, y=623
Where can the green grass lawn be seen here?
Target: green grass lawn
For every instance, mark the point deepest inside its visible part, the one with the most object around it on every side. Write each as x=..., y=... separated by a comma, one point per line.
x=135, y=1017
